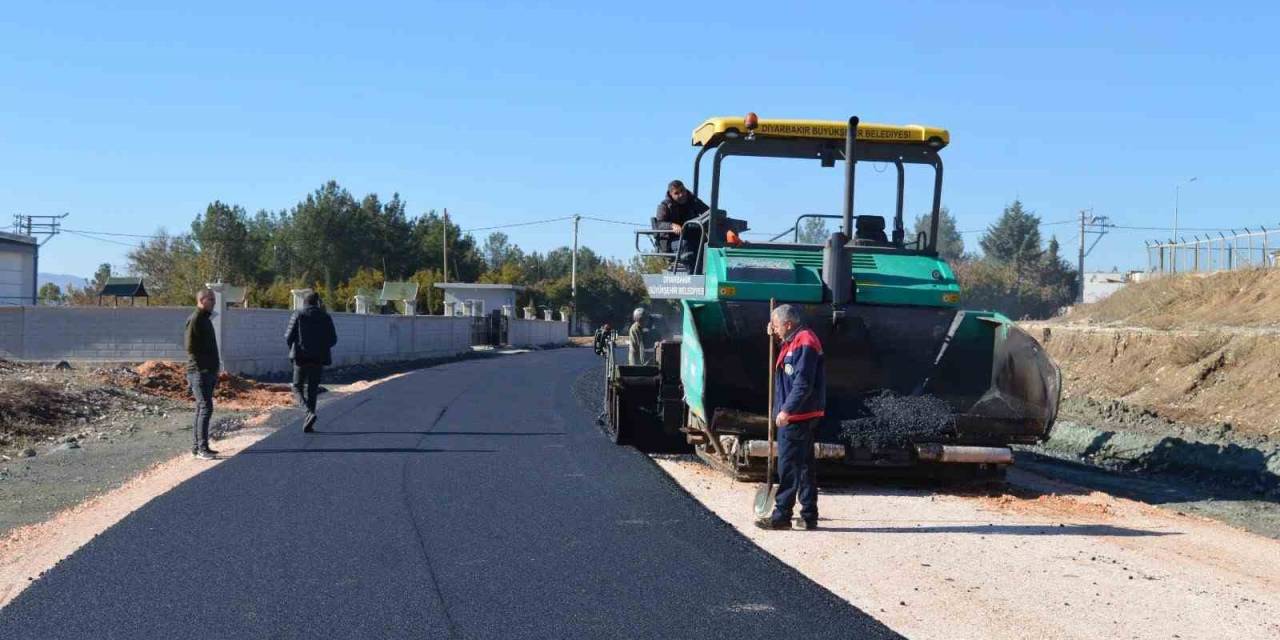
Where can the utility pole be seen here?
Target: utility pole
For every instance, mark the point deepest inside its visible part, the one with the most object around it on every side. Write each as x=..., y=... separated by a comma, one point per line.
x=1089, y=225
x=444, y=243
x=573, y=278
x=47, y=226
x=1177, y=192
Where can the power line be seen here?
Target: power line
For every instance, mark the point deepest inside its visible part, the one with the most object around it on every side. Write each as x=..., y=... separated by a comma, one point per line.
x=629, y=224
x=518, y=224
x=1043, y=224
x=91, y=237
x=113, y=234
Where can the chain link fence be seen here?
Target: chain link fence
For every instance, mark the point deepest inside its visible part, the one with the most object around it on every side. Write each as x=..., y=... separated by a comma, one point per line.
x=1218, y=251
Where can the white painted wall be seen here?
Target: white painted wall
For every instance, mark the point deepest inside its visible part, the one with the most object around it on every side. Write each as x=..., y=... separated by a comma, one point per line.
x=493, y=299
x=532, y=333
x=17, y=273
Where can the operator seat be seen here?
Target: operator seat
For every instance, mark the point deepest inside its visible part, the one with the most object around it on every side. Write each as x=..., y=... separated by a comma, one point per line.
x=869, y=230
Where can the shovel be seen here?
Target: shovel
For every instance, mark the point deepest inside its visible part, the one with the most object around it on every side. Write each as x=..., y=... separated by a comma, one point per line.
x=767, y=495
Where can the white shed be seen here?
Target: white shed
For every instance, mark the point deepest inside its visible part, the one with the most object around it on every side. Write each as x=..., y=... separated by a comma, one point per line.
x=1099, y=285
x=474, y=299
x=18, y=269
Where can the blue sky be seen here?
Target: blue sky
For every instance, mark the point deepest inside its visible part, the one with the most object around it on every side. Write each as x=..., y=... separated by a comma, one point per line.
x=134, y=118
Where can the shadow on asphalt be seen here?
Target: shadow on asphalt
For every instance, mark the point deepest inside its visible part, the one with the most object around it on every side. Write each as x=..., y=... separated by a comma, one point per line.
x=435, y=433
x=1014, y=530
x=367, y=450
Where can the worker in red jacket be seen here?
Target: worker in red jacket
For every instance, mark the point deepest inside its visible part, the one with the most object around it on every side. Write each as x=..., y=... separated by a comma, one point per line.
x=799, y=399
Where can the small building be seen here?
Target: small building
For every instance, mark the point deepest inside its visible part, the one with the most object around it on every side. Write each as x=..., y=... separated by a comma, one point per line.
x=473, y=299
x=1098, y=285
x=405, y=293
x=18, y=256
x=116, y=288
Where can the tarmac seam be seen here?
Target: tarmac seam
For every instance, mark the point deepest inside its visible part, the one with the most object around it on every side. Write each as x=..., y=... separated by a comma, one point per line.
x=413, y=519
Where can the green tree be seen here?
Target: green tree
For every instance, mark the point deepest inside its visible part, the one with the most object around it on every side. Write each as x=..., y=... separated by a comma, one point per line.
x=327, y=235
x=813, y=231
x=465, y=261
x=50, y=293
x=950, y=242
x=222, y=236
x=170, y=266
x=101, y=276
x=1014, y=238
x=391, y=246
x=498, y=251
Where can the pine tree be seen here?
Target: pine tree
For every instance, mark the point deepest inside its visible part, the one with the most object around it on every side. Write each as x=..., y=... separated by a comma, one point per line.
x=1014, y=238
x=950, y=242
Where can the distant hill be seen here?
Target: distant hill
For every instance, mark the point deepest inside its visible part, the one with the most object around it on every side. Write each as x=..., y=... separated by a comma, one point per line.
x=62, y=280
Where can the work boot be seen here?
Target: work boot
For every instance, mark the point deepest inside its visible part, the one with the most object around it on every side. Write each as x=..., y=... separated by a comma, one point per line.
x=308, y=425
x=771, y=524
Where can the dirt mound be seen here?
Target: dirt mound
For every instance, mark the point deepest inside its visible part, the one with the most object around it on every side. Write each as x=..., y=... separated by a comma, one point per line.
x=26, y=405
x=1095, y=504
x=1249, y=298
x=169, y=380
x=1208, y=383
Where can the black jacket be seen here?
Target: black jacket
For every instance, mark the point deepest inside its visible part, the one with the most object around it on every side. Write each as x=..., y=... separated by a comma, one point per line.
x=310, y=336
x=201, y=342
x=671, y=211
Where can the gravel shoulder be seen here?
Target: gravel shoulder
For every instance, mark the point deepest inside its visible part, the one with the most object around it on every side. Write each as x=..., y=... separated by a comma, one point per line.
x=1045, y=559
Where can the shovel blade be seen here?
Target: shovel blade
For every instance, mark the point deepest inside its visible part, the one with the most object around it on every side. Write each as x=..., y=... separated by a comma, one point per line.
x=765, y=499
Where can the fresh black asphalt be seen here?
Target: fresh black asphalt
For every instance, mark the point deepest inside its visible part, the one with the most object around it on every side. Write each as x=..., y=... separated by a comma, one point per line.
x=475, y=499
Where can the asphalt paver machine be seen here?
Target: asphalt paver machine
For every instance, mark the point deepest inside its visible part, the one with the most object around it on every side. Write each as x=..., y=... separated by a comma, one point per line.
x=916, y=383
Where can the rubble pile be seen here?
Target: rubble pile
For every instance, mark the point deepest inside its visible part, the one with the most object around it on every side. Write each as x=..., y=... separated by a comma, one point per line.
x=169, y=380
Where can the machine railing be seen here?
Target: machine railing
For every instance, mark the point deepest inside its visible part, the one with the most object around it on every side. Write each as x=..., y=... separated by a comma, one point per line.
x=678, y=242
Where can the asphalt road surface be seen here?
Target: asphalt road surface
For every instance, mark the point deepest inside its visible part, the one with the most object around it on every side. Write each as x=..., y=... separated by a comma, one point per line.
x=475, y=499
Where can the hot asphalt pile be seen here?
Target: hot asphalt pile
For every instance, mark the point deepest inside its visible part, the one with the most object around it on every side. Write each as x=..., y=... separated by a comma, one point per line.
x=888, y=420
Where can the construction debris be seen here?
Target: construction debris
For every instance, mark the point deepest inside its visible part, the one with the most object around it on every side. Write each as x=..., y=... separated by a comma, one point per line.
x=169, y=380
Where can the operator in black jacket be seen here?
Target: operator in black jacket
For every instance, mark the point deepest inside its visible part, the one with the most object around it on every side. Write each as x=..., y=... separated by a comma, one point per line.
x=679, y=207
x=310, y=337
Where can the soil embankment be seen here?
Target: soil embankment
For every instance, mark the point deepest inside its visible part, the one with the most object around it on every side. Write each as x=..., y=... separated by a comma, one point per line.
x=1174, y=374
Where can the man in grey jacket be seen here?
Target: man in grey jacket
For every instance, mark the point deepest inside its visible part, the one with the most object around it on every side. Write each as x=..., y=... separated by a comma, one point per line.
x=310, y=337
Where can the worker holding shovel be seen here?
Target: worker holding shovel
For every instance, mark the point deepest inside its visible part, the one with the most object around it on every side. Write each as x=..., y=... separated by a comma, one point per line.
x=799, y=401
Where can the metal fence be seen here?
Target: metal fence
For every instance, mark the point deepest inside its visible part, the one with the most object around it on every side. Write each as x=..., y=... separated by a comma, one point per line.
x=1218, y=251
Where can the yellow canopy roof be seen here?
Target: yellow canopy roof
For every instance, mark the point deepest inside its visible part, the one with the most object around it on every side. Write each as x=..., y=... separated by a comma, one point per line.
x=715, y=128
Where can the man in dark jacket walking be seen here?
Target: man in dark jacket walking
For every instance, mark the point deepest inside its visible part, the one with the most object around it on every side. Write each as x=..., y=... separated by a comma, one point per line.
x=800, y=398
x=310, y=337
x=679, y=207
x=202, y=370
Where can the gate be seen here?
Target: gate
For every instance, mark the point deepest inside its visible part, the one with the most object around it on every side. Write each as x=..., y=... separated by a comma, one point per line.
x=492, y=330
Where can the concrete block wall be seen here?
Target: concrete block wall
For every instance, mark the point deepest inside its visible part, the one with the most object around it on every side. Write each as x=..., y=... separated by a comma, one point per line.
x=529, y=333
x=104, y=334
x=255, y=342
x=11, y=332
x=252, y=339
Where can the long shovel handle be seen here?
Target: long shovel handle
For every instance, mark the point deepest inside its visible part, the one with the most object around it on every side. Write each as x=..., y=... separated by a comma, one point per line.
x=772, y=425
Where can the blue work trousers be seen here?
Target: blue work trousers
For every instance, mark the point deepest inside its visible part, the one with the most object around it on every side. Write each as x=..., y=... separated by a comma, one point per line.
x=797, y=471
